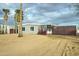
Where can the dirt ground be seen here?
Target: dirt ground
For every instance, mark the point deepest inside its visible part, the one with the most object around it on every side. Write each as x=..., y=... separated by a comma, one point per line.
x=38, y=45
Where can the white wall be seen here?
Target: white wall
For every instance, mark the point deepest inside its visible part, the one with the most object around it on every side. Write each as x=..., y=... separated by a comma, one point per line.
x=2, y=28
x=8, y=29
x=28, y=31
x=77, y=31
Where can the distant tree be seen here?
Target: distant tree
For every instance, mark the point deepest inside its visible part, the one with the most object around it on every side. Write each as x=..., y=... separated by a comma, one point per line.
x=6, y=12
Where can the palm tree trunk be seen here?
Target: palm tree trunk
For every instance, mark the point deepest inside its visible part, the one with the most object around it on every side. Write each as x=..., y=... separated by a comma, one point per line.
x=20, y=34
x=15, y=26
x=5, y=27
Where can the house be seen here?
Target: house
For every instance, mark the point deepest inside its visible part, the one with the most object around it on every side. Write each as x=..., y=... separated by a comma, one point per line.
x=27, y=28
x=42, y=29
x=33, y=28
x=30, y=28
x=10, y=29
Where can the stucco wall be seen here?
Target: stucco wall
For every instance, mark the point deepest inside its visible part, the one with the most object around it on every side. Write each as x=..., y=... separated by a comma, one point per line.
x=28, y=31
x=2, y=28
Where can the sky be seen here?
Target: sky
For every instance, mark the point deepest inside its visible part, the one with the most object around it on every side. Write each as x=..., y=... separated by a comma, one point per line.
x=43, y=13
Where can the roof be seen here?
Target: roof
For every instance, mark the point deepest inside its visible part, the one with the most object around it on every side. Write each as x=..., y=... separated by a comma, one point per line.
x=36, y=24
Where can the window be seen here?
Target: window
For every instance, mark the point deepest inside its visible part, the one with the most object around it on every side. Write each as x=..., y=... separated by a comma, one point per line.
x=23, y=28
x=32, y=28
x=48, y=26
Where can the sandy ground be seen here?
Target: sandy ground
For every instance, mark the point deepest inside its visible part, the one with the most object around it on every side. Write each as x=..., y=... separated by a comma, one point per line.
x=38, y=45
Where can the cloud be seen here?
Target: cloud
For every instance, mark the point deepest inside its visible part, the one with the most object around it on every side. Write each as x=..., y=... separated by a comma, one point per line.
x=52, y=13
x=1, y=18
x=11, y=13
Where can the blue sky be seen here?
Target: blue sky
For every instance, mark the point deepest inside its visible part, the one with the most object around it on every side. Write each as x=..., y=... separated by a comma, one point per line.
x=44, y=13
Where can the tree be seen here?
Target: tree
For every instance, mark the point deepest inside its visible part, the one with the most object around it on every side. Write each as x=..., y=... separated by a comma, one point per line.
x=6, y=12
x=19, y=18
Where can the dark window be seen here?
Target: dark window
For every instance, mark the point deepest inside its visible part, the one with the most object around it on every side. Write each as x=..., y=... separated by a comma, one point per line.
x=32, y=28
x=48, y=26
x=23, y=28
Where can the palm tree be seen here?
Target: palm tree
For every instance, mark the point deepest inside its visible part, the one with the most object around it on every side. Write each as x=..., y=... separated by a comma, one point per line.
x=19, y=18
x=20, y=34
x=6, y=12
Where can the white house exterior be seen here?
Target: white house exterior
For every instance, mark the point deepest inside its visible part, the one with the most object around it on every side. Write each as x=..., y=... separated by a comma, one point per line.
x=10, y=27
x=30, y=28
x=33, y=28
x=3, y=28
x=26, y=28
